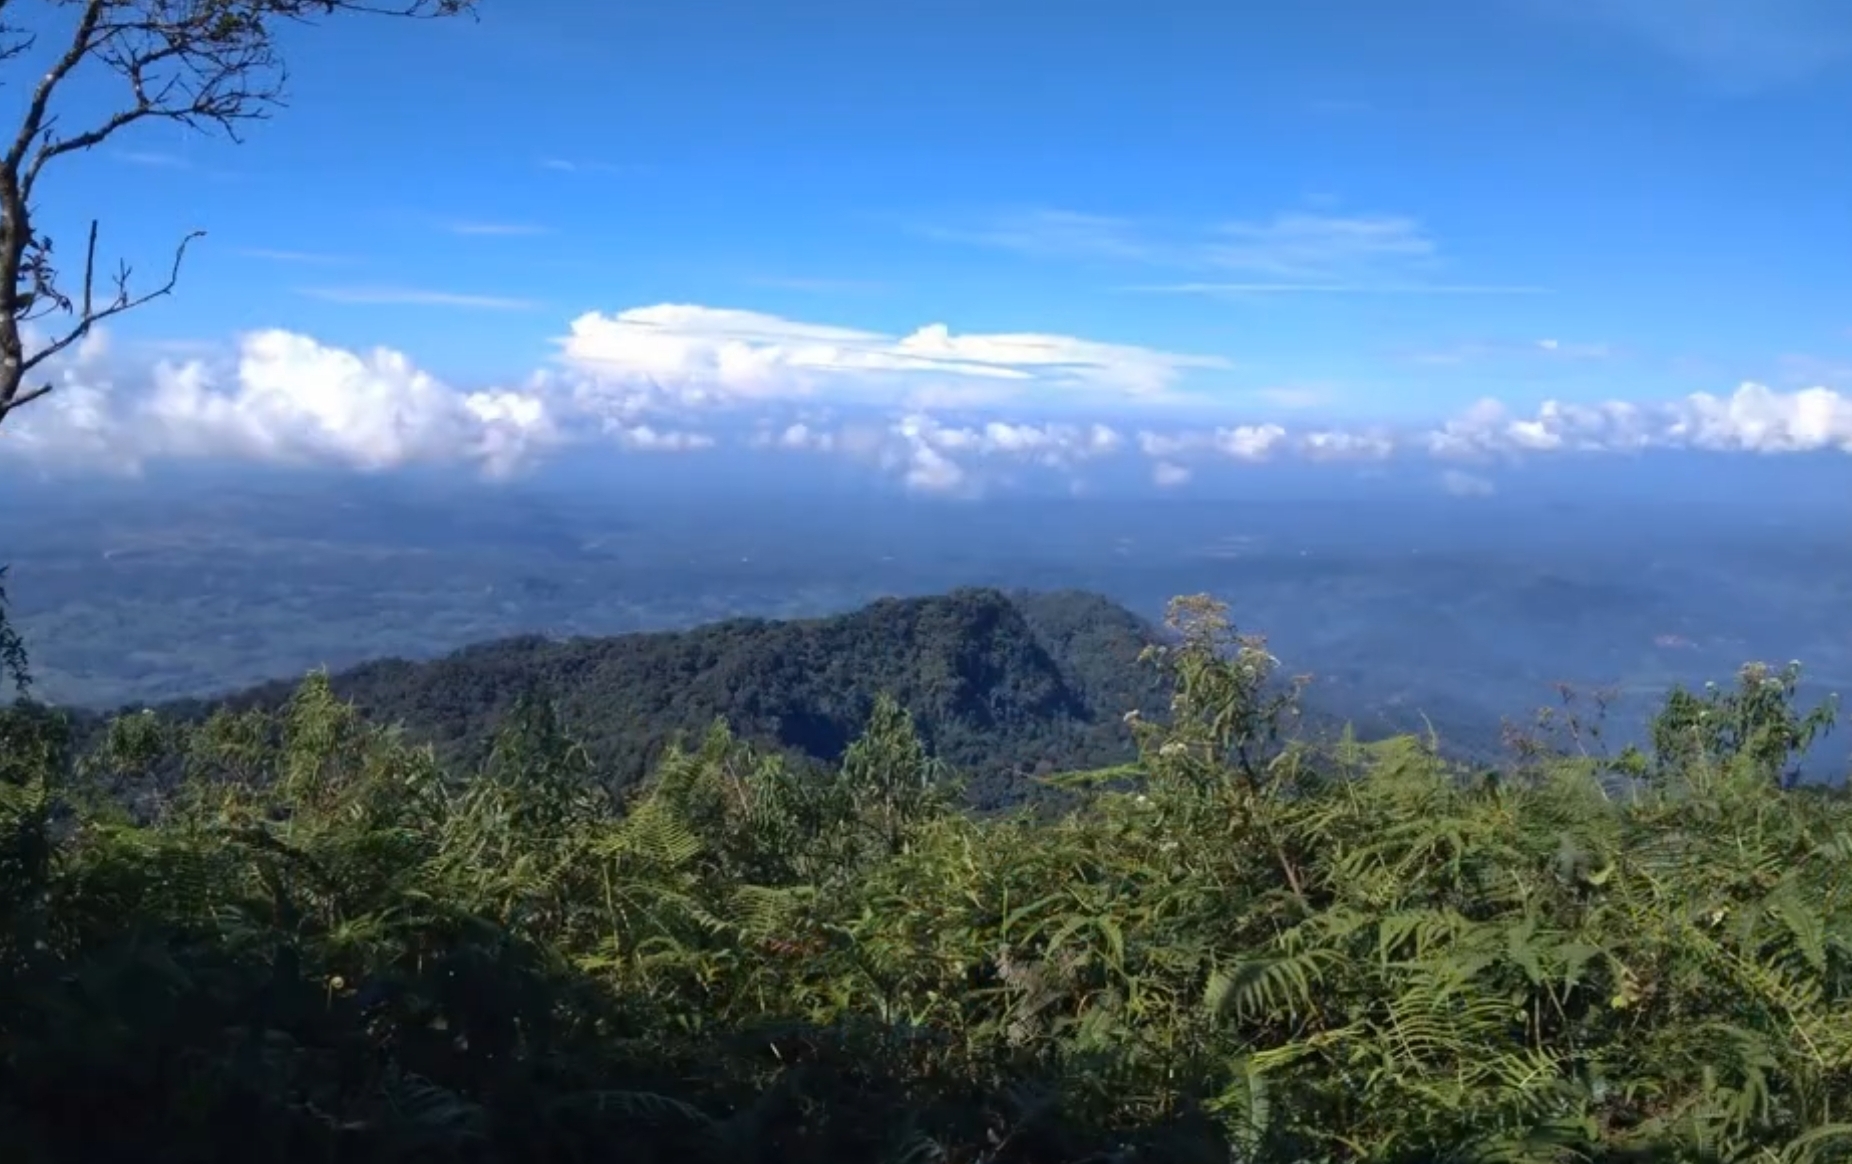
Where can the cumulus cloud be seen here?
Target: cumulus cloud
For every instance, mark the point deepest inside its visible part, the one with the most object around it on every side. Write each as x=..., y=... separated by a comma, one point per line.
x=282, y=397
x=1755, y=418
x=703, y=356
x=937, y=454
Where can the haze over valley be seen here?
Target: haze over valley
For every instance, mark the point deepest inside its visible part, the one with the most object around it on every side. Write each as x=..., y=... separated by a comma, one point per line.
x=1403, y=598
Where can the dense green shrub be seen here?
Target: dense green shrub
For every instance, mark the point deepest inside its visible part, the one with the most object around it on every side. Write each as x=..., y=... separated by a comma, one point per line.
x=319, y=944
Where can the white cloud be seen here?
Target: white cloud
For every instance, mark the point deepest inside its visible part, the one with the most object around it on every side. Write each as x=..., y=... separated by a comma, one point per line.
x=1250, y=442
x=282, y=398
x=647, y=380
x=937, y=454
x=695, y=356
x=1758, y=419
x=1755, y=418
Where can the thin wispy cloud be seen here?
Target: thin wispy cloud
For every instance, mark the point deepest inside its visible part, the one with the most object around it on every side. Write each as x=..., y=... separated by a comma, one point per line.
x=1543, y=349
x=1737, y=45
x=1322, y=249
x=1295, y=396
x=1806, y=369
x=1296, y=252
x=1336, y=289
x=177, y=163
x=820, y=286
x=417, y=297
x=498, y=229
x=306, y=258
x=1463, y=484
x=154, y=159
x=1575, y=351
x=1054, y=234
x=582, y=166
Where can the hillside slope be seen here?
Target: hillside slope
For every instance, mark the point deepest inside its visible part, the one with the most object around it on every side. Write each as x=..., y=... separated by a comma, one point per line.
x=999, y=684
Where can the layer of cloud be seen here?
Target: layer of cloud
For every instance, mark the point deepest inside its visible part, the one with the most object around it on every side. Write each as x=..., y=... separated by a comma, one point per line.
x=937, y=457
x=1754, y=418
x=681, y=380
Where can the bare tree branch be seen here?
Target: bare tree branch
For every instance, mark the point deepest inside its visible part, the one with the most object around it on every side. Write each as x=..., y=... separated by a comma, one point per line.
x=90, y=315
x=202, y=64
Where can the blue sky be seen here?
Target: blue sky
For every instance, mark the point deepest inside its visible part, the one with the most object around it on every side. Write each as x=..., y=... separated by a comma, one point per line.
x=1350, y=210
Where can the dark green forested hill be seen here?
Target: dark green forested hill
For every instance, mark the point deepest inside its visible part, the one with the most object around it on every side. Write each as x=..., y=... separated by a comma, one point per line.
x=1000, y=684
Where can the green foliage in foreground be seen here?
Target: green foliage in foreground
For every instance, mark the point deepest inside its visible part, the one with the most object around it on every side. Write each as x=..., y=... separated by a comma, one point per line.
x=325, y=947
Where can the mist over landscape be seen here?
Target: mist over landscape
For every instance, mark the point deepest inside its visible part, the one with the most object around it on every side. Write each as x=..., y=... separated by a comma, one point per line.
x=1402, y=597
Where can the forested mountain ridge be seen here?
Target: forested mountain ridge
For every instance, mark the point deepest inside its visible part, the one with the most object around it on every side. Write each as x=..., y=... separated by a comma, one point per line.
x=1000, y=685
